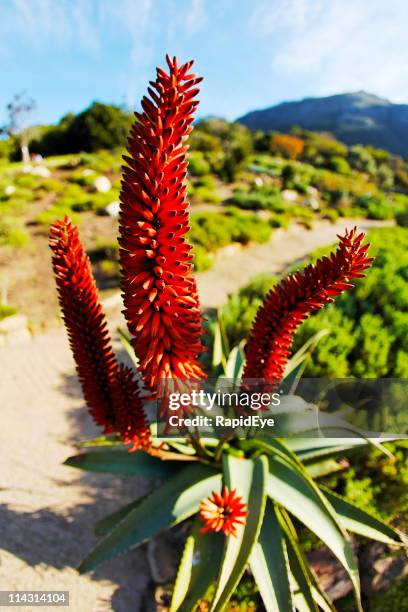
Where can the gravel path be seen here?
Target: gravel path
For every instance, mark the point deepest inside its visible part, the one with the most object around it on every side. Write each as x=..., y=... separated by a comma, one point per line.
x=47, y=510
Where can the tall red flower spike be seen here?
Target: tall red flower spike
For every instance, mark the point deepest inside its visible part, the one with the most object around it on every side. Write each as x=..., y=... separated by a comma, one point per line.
x=288, y=304
x=160, y=296
x=223, y=512
x=109, y=390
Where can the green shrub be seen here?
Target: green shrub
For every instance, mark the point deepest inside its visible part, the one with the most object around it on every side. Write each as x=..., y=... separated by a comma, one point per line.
x=53, y=213
x=198, y=165
x=13, y=233
x=238, y=313
x=28, y=181
x=266, y=197
x=206, y=194
x=402, y=219
x=84, y=178
x=203, y=260
x=339, y=164
x=330, y=213
x=211, y=231
x=6, y=311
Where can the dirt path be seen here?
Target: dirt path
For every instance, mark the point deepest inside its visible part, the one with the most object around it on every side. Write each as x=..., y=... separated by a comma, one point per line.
x=47, y=510
x=236, y=265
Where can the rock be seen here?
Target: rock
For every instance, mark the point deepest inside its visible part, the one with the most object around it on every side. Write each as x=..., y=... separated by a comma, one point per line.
x=312, y=203
x=163, y=554
x=312, y=191
x=258, y=181
x=289, y=195
x=380, y=568
x=112, y=209
x=42, y=171
x=9, y=190
x=102, y=184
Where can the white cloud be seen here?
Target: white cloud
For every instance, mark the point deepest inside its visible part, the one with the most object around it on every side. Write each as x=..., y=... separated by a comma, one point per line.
x=341, y=45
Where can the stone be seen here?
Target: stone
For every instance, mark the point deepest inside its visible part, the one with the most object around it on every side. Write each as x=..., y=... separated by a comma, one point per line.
x=163, y=554
x=289, y=195
x=9, y=190
x=312, y=203
x=312, y=191
x=42, y=171
x=102, y=184
x=112, y=209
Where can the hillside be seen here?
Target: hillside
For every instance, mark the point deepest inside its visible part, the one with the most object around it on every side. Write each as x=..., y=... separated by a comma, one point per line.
x=354, y=118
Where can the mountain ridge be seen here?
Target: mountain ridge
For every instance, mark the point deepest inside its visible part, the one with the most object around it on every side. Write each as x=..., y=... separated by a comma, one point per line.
x=354, y=118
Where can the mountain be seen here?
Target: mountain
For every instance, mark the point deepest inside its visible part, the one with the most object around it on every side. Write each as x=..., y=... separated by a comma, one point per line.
x=354, y=118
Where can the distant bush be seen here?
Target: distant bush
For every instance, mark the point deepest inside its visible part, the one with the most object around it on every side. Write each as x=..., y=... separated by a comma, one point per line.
x=361, y=159
x=6, y=311
x=214, y=230
x=101, y=126
x=239, y=312
x=54, y=212
x=339, y=164
x=203, y=260
x=198, y=165
x=266, y=197
x=289, y=146
x=13, y=233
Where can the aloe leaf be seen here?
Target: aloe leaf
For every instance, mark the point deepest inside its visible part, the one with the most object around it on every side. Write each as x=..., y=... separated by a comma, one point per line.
x=323, y=468
x=248, y=477
x=235, y=363
x=269, y=564
x=198, y=568
x=105, y=525
x=306, y=589
x=177, y=499
x=293, y=491
x=123, y=462
x=112, y=440
x=359, y=521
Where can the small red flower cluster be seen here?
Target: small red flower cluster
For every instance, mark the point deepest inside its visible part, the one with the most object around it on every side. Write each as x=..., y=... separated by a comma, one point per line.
x=223, y=512
x=288, y=304
x=110, y=390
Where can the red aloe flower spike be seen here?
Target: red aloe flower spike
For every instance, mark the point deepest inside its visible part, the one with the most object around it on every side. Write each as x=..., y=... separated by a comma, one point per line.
x=85, y=322
x=160, y=295
x=223, y=512
x=130, y=417
x=294, y=299
x=109, y=390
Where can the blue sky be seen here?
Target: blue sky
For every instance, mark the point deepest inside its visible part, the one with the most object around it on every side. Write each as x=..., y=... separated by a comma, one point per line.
x=252, y=53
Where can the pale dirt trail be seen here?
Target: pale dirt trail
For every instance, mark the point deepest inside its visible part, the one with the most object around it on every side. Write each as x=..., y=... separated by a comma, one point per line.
x=47, y=510
x=236, y=265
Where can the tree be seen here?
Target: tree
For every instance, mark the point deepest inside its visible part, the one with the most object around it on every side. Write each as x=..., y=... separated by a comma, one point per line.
x=288, y=146
x=101, y=126
x=19, y=110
